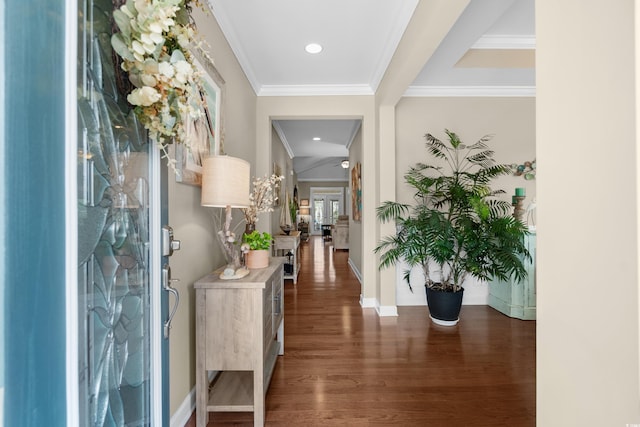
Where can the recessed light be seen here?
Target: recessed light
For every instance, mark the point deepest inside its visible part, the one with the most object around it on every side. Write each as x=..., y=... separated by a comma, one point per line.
x=316, y=138
x=313, y=48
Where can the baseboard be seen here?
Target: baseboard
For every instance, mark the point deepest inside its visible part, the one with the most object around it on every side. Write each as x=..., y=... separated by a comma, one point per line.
x=181, y=417
x=355, y=270
x=387, y=310
x=368, y=302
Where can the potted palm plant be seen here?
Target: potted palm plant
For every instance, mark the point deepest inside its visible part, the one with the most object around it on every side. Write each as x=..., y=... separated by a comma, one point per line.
x=457, y=227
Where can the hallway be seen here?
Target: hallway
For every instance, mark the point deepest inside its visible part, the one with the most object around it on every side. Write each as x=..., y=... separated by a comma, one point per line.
x=343, y=365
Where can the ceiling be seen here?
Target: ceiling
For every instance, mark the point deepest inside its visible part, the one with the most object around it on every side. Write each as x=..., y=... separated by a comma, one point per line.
x=488, y=52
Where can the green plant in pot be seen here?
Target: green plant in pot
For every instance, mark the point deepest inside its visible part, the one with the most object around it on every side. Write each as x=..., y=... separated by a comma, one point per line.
x=457, y=227
x=255, y=247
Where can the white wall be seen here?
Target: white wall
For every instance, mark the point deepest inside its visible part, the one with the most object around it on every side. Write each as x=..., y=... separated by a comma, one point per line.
x=587, y=299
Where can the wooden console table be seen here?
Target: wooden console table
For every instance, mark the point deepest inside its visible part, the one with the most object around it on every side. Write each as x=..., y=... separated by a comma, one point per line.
x=239, y=333
x=286, y=243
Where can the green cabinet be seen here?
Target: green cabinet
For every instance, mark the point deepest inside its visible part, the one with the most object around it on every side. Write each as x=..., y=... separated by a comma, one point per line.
x=517, y=299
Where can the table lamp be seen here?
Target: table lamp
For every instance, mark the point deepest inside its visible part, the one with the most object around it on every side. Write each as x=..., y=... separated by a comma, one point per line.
x=226, y=184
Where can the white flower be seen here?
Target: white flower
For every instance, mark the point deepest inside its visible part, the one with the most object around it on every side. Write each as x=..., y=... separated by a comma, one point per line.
x=183, y=71
x=138, y=47
x=144, y=96
x=167, y=90
x=166, y=69
x=149, y=80
x=155, y=27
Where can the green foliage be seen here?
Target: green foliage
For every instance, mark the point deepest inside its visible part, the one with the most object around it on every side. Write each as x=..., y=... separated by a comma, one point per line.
x=257, y=240
x=293, y=210
x=456, y=224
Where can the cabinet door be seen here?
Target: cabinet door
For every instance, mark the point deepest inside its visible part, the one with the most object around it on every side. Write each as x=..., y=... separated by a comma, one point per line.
x=278, y=300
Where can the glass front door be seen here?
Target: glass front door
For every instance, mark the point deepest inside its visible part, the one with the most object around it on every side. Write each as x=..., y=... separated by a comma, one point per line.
x=115, y=313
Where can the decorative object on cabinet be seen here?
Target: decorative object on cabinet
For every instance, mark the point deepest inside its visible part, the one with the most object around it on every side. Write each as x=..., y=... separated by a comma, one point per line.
x=517, y=200
x=286, y=223
x=285, y=244
x=153, y=42
x=262, y=198
x=517, y=300
x=256, y=249
x=225, y=183
x=239, y=333
x=356, y=191
x=205, y=132
x=340, y=233
x=456, y=225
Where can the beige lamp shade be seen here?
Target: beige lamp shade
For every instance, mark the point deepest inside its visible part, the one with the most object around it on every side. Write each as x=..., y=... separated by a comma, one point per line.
x=225, y=182
x=304, y=211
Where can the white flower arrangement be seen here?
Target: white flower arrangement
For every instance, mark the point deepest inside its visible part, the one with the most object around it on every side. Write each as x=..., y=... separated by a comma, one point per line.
x=262, y=197
x=153, y=41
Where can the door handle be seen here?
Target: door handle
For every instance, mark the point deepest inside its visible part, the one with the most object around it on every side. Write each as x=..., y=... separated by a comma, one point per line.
x=166, y=285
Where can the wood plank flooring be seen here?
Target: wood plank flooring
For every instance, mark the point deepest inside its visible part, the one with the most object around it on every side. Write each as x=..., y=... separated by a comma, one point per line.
x=344, y=365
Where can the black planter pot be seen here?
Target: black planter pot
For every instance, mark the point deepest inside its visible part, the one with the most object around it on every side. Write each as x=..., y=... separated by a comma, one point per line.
x=444, y=307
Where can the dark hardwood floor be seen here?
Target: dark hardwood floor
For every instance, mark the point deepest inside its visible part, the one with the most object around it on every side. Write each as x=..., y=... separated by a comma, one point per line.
x=344, y=365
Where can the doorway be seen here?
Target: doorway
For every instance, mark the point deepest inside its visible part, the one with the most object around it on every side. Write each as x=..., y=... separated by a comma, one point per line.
x=327, y=203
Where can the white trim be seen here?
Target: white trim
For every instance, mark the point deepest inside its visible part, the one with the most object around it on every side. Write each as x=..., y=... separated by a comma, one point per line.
x=392, y=41
x=312, y=90
x=368, y=302
x=470, y=91
x=185, y=410
x=387, y=310
x=155, y=281
x=355, y=270
x=229, y=32
x=354, y=132
x=71, y=210
x=283, y=138
x=505, y=42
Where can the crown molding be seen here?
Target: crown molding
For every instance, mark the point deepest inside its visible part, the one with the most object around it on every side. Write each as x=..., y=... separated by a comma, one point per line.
x=392, y=41
x=314, y=90
x=228, y=30
x=505, y=42
x=283, y=138
x=470, y=91
x=354, y=131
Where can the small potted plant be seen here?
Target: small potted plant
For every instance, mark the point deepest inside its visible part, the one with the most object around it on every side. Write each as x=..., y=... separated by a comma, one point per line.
x=256, y=249
x=457, y=227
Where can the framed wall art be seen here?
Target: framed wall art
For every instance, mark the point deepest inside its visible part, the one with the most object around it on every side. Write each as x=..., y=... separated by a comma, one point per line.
x=356, y=192
x=206, y=133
